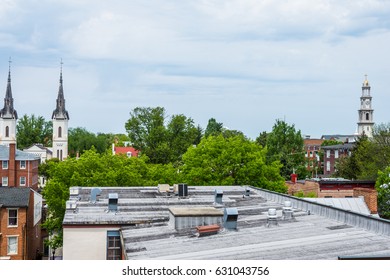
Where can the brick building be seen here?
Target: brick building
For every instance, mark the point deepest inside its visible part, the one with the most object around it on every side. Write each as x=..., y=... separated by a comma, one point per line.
x=332, y=154
x=312, y=148
x=337, y=188
x=128, y=151
x=20, y=219
x=18, y=169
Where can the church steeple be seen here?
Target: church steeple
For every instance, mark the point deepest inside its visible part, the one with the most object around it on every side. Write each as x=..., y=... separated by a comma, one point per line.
x=60, y=111
x=60, y=120
x=366, y=121
x=8, y=111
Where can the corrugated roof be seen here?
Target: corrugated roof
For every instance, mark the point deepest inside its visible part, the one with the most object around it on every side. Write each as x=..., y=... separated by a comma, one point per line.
x=14, y=197
x=354, y=204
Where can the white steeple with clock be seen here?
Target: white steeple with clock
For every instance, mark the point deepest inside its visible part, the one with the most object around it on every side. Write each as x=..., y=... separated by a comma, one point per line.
x=366, y=121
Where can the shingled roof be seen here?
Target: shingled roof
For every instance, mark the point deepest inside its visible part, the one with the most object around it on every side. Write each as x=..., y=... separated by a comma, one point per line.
x=14, y=197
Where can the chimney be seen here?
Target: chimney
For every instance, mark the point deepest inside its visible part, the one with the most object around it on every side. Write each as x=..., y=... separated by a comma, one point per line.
x=12, y=165
x=294, y=178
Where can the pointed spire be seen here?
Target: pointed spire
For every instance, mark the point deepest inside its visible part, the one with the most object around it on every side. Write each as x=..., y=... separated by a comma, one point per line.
x=60, y=111
x=8, y=111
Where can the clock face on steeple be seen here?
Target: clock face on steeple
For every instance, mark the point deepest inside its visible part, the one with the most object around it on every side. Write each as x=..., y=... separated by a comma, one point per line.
x=367, y=103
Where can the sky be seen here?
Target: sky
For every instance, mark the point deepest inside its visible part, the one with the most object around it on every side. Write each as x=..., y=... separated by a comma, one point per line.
x=246, y=63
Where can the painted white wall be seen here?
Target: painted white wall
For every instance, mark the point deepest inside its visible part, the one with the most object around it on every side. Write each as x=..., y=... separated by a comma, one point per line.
x=85, y=243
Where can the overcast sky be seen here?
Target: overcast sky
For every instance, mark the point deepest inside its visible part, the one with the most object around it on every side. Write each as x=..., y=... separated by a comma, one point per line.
x=245, y=63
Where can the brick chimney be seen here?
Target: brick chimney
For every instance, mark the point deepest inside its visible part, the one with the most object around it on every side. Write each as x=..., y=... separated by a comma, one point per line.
x=12, y=165
x=370, y=197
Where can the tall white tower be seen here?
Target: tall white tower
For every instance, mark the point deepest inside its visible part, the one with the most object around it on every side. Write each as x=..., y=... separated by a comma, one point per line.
x=60, y=120
x=366, y=121
x=8, y=116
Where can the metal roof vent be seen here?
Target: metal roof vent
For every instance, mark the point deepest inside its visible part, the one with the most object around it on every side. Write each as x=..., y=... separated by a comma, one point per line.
x=113, y=202
x=183, y=190
x=218, y=196
x=230, y=216
x=247, y=191
x=272, y=217
x=287, y=211
x=71, y=205
x=95, y=192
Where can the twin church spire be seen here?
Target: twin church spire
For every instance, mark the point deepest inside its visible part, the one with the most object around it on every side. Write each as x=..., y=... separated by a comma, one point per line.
x=60, y=117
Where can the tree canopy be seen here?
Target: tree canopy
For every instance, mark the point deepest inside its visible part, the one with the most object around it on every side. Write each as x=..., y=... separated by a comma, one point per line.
x=33, y=130
x=235, y=160
x=161, y=142
x=285, y=143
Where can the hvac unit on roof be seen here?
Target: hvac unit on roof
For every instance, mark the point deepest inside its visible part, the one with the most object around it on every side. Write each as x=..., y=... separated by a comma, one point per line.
x=183, y=190
x=230, y=216
x=112, y=202
x=218, y=196
x=74, y=191
x=247, y=191
x=95, y=192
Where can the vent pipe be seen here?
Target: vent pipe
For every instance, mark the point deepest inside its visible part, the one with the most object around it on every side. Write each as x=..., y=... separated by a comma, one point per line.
x=272, y=217
x=95, y=192
x=287, y=210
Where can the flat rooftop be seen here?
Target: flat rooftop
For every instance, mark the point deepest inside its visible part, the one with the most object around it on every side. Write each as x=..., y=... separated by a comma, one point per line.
x=315, y=232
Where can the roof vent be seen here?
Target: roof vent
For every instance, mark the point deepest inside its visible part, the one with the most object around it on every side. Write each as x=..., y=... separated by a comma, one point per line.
x=287, y=211
x=183, y=190
x=94, y=193
x=164, y=188
x=218, y=196
x=230, y=216
x=71, y=205
x=112, y=202
x=272, y=217
x=247, y=191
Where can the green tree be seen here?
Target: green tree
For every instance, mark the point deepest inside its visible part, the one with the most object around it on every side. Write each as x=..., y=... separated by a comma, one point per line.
x=213, y=128
x=32, y=130
x=383, y=188
x=219, y=160
x=80, y=140
x=160, y=142
x=285, y=143
x=262, y=139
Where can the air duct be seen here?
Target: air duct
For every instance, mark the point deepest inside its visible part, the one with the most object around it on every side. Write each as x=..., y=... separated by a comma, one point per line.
x=112, y=202
x=230, y=217
x=218, y=196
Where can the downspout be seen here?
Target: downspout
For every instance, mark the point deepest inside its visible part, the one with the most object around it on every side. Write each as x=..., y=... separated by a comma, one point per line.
x=24, y=234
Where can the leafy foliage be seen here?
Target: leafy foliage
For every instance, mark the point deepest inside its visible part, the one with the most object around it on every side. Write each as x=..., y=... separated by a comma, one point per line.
x=33, y=130
x=285, y=144
x=159, y=142
x=235, y=160
x=213, y=128
x=383, y=188
x=81, y=140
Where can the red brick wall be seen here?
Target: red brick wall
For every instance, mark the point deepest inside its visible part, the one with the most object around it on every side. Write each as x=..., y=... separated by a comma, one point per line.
x=370, y=197
x=20, y=230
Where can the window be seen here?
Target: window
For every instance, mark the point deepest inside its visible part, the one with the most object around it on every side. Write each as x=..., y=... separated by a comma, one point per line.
x=7, y=131
x=328, y=166
x=12, y=245
x=22, y=181
x=4, y=181
x=59, y=132
x=5, y=164
x=12, y=217
x=22, y=164
x=114, y=250
x=328, y=153
x=336, y=154
x=128, y=154
x=367, y=116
